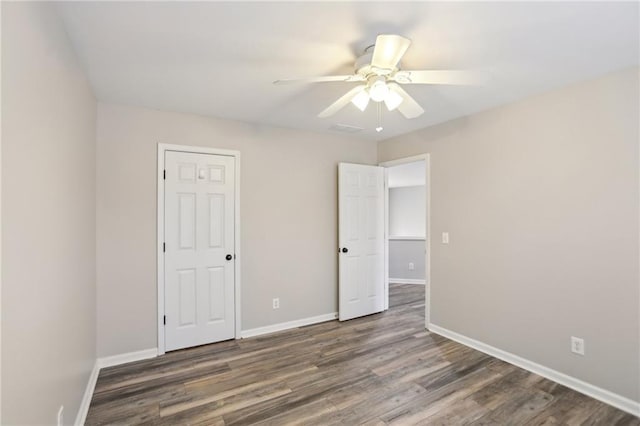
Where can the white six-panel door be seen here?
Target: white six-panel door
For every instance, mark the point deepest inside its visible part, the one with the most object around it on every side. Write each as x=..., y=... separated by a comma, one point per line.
x=199, y=249
x=361, y=240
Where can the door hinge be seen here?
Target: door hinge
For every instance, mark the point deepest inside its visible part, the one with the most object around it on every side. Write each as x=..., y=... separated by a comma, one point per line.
x=164, y=247
x=164, y=174
x=165, y=320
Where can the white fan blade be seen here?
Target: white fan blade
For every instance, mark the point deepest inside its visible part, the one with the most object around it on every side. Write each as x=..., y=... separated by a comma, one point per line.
x=388, y=51
x=342, y=102
x=328, y=78
x=438, y=77
x=408, y=107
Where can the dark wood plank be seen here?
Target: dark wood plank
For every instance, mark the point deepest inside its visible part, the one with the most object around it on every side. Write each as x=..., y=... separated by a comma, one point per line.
x=376, y=370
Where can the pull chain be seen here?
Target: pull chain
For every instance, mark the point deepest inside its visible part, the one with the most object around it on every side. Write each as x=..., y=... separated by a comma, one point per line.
x=379, y=128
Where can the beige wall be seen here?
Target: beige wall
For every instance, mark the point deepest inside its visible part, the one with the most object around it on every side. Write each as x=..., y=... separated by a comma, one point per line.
x=288, y=217
x=48, y=219
x=541, y=202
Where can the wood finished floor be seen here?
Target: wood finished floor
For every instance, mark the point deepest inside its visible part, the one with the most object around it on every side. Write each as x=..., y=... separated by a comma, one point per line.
x=377, y=370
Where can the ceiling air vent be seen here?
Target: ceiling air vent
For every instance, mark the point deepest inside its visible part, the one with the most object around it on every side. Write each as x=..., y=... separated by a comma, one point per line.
x=345, y=128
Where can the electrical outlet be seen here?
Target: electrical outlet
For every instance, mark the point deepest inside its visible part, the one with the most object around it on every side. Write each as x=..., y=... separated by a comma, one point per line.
x=61, y=415
x=577, y=345
x=411, y=266
x=276, y=303
x=445, y=238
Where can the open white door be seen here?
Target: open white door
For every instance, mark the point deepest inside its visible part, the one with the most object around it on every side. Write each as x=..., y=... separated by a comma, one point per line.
x=361, y=240
x=200, y=249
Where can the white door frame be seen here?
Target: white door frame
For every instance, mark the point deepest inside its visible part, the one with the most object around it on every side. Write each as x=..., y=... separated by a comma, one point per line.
x=427, y=185
x=162, y=148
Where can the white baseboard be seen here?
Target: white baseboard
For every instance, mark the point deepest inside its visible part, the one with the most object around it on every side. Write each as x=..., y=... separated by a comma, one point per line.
x=608, y=397
x=287, y=325
x=88, y=394
x=406, y=281
x=110, y=361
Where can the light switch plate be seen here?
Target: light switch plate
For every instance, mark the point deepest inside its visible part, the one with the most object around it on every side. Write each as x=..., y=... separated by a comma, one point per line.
x=445, y=238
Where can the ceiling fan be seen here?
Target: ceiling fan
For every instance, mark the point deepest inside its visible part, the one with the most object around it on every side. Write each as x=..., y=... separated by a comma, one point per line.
x=378, y=69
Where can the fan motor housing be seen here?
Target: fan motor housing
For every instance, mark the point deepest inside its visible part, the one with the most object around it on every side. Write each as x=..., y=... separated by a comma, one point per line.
x=363, y=65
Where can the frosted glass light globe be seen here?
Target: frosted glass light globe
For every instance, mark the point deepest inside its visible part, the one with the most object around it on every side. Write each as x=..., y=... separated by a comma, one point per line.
x=378, y=91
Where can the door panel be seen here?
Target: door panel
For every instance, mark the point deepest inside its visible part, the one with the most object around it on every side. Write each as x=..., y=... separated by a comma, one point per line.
x=187, y=291
x=216, y=294
x=361, y=232
x=187, y=220
x=216, y=220
x=199, y=234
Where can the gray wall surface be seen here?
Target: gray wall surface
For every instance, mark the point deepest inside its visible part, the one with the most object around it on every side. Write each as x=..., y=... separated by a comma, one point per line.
x=288, y=218
x=48, y=219
x=401, y=252
x=407, y=217
x=407, y=209
x=540, y=199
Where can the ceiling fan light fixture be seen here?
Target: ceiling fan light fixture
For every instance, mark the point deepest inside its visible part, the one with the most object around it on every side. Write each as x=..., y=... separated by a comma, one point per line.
x=393, y=100
x=378, y=91
x=361, y=100
x=380, y=75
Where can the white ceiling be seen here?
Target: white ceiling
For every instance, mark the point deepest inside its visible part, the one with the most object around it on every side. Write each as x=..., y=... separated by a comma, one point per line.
x=409, y=174
x=219, y=59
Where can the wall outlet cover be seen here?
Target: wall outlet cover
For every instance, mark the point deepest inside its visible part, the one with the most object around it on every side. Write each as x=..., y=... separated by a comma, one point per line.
x=577, y=345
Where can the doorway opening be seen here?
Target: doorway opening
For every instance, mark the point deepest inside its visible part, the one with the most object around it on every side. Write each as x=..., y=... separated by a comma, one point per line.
x=407, y=237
